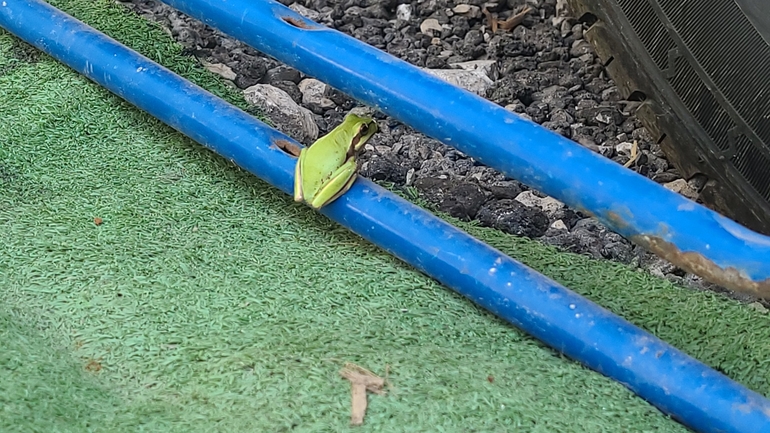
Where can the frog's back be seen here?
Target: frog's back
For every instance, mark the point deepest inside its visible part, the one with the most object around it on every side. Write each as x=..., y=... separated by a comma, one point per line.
x=326, y=159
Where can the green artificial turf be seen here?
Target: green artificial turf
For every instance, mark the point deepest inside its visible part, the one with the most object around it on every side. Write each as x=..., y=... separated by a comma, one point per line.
x=208, y=301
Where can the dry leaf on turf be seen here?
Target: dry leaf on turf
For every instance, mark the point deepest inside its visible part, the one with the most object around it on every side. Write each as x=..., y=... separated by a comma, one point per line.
x=361, y=380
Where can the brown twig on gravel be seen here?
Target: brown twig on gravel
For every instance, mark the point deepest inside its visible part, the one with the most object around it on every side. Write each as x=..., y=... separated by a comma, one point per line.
x=491, y=18
x=515, y=20
x=634, y=155
x=361, y=380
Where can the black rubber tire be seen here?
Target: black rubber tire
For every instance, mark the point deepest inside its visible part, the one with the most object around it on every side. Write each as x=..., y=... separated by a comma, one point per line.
x=702, y=68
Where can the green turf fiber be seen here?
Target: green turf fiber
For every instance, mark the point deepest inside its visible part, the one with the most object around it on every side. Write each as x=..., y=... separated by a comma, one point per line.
x=212, y=302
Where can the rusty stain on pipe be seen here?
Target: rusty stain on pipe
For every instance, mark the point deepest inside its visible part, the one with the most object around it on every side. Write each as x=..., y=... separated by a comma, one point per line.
x=292, y=148
x=697, y=264
x=729, y=277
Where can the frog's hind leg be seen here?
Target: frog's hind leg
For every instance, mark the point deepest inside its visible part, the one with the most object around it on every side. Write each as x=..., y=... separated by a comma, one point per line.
x=344, y=189
x=339, y=183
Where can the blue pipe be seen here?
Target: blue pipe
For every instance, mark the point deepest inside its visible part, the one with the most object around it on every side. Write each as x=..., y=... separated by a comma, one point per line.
x=679, y=385
x=689, y=235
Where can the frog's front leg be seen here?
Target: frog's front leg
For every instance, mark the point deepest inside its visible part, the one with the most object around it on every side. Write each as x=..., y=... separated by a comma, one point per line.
x=339, y=182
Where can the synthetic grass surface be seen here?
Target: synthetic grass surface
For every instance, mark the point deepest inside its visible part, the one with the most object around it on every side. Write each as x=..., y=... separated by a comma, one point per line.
x=208, y=301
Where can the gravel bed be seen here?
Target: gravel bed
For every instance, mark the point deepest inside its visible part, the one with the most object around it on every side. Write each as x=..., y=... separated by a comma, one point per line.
x=536, y=64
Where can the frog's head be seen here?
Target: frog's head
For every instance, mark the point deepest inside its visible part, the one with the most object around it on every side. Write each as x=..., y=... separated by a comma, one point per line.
x=361, y=128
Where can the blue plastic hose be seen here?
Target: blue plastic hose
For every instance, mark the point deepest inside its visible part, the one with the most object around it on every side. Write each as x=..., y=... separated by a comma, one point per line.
x=689, y=235
x=679, y=385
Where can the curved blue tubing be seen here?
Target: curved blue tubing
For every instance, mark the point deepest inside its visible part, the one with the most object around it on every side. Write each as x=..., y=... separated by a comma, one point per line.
x=679, y=385
x=687, y=234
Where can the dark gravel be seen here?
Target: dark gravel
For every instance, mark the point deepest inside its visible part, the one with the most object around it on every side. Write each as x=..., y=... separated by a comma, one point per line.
x=542, y=69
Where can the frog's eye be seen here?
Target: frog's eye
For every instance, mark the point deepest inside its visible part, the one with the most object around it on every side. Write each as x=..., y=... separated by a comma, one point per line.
x=363, y=130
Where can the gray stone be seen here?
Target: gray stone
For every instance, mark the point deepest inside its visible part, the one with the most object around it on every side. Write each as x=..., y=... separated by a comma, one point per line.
x=281, y=73
x=314, y=95
x=404, y=12
x=549, y=205
x=430, y=26
x=512, y=217
x=485, y=66
x=577, y=31
x=471, y=11
x=475, y=81
x=680, y=186
x=624, y=148
x=580, y=48
x=562, y=9
x=305, y=12
x=222, y=70
x=277, y=105
x=559, y=225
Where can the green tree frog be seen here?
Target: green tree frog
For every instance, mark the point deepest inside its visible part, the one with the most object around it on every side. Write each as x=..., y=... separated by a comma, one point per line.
x=327, y=168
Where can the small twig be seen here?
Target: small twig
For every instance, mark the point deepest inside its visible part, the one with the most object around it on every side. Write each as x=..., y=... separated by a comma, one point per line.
x=491, y=18
x=515, y=20
x=634, y=155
